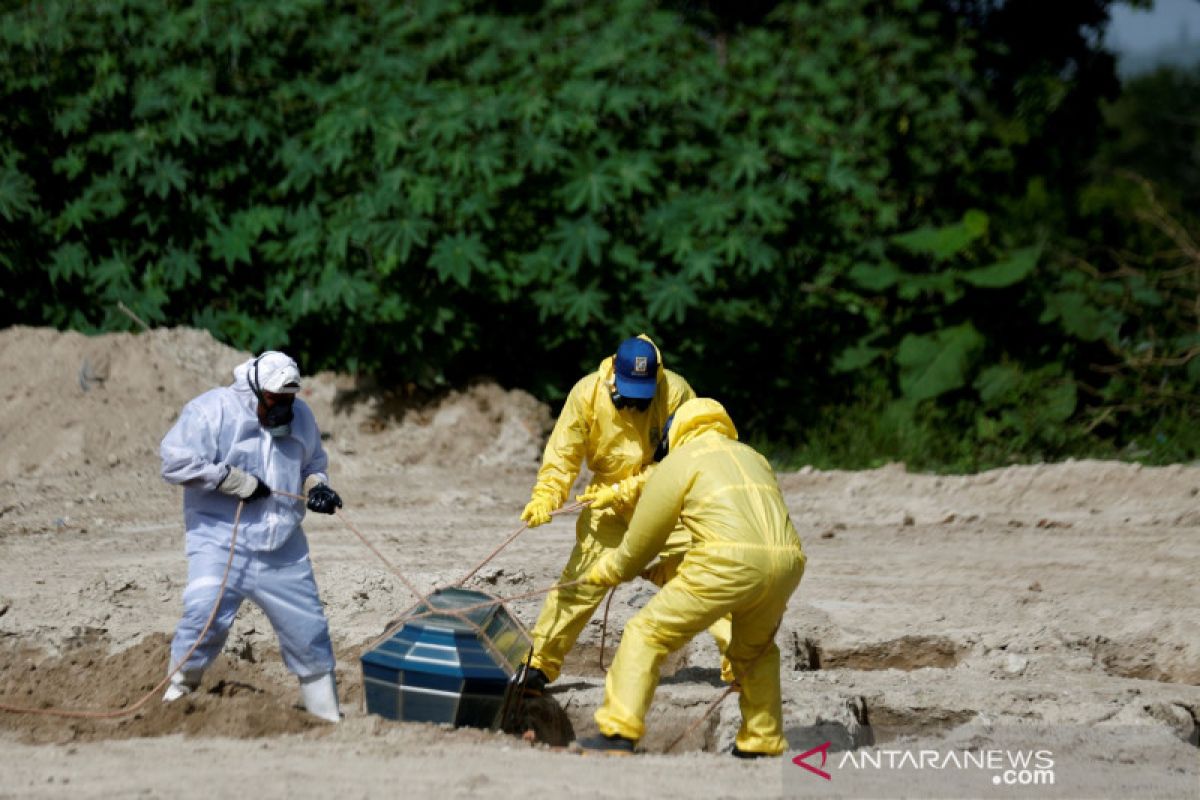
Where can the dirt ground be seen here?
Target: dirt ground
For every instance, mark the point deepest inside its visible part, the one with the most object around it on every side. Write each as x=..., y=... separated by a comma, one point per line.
x=1060, y=595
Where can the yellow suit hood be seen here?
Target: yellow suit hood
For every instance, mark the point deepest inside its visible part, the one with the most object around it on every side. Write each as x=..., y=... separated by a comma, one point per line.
x=699, y=416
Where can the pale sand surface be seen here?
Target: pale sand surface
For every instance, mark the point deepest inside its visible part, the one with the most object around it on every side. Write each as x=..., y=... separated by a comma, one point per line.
x=1063, y=595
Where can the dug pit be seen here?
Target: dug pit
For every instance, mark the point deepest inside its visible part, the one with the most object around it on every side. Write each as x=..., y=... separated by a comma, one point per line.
x=904, y=653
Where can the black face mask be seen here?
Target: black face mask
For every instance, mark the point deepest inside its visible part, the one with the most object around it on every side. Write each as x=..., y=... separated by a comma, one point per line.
x=636, y=403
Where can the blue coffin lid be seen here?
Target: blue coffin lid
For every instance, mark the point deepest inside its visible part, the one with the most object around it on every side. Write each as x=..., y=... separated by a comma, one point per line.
x=445, y=645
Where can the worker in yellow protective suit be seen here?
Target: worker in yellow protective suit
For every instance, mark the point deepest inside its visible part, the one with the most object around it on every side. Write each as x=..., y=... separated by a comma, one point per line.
x=745, y=559
x=614, y=419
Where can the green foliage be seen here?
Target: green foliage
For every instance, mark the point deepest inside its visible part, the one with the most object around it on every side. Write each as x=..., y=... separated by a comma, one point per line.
x=932, y=365
x=813, y=207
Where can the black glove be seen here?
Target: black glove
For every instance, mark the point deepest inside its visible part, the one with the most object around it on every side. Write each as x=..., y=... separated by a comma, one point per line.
x=260, y=491
x=323, y=500
x=243, y=485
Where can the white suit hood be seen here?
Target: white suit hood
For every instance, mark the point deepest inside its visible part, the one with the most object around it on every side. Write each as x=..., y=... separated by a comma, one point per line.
x=277, y=373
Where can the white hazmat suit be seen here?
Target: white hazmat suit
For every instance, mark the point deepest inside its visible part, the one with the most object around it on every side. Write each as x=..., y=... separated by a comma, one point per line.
x=217, y=434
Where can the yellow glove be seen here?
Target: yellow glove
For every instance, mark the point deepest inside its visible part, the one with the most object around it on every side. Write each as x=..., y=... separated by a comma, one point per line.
x=596, y=576
x=659, y=572
x=537, y=512
x=599, y=496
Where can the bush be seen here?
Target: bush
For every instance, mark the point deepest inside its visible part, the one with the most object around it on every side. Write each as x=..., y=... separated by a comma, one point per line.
x=806, y=205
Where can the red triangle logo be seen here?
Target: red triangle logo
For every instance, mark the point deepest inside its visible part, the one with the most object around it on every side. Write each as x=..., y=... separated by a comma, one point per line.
x=823, y=749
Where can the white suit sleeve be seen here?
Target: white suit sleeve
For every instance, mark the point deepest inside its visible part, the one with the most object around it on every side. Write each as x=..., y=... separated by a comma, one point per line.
x=189, y=451
x=316, y=468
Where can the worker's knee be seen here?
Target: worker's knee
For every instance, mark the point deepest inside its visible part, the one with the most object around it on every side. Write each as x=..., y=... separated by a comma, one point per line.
x=648, y=632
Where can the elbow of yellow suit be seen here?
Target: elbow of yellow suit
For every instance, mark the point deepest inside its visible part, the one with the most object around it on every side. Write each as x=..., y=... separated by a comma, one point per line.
x=602, y=574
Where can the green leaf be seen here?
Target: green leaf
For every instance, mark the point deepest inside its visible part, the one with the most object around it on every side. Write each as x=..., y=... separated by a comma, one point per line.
x=913, y=287
x=68, y=261
x=947, y=241
x=113, y=276
x=760, y=256
x=260, y=219
x=763, y=209
x=669, y=297
x=578, y=239
x=591, y=188
x=16, y=192
x=581, y=306
x=229, y=243
x=422, y=196
x=180, y=268
x=541, y=153
x=935, y=364
x=714, y=213
x=1143, y=293
x=748, y=161
x=875, y=277
x=455, y=257
x=1059, y=401
x=78, y=213
x=165, y=174
x=1081, y=318
x=998, y=384
x=73, y=115
x=1019, y=265
x=856, y=357
x=701, y=266
x=132, y=156
x=635, y=174
x=399, y=238
x=71, y=165
x=975, y=223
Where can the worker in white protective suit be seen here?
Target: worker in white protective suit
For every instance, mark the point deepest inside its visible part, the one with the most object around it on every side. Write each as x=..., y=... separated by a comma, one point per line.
x=744, y=560
x=231, y=445
x=613, y=418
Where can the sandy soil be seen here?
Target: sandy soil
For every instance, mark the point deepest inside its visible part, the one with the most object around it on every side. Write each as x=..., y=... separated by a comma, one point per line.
x=1056, y=595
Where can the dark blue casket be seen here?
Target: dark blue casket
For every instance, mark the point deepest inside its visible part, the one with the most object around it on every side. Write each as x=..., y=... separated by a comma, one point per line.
x=441, y=669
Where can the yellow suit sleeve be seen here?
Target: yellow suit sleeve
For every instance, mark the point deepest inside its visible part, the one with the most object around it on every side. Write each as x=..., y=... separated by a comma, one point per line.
x=566, y=447
x=681, y=392
x=629, y=490
x=656, y=516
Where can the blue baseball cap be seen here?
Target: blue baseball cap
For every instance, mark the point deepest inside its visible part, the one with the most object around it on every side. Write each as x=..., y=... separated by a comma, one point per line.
x=636, y=368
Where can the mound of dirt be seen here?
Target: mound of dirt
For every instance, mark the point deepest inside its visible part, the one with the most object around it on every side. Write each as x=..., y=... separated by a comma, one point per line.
x=80, y=405
x=237, y=698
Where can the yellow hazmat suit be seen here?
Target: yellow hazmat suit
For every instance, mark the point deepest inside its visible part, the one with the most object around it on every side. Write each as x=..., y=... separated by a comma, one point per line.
x=745, y=559
x=619, y=448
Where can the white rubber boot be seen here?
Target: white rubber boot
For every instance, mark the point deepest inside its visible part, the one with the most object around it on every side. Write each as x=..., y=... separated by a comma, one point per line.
x=182, y=682
x=319, y=693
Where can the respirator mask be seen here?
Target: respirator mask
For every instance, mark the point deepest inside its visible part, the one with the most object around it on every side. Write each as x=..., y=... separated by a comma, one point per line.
x=624, y=403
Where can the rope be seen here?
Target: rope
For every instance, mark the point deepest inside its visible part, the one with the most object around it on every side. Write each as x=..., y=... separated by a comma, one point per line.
x=424, y=600
x=124, y=712
x=604, y=627
x=730, y=689
x=511, y=538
